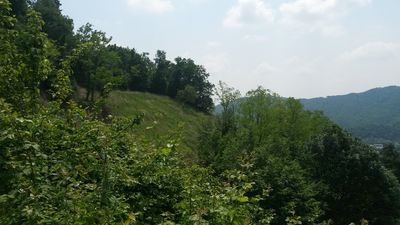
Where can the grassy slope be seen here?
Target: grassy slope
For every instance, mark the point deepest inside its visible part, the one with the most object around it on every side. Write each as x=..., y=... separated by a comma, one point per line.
x=162, y=114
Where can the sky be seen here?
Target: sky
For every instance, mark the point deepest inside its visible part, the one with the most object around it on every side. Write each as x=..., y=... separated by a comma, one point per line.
x=296, y=48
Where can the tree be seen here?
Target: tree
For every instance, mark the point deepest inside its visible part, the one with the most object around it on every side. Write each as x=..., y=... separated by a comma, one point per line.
x=186, y=72
x=19, y=8
x=257, y=127
x=58, y=27
x=159, y=81
x=96, y=65
x=357, y=185
x=187, y=95
x=229, y=100
x=391, y=158
x=140, y=73
x=24, y=59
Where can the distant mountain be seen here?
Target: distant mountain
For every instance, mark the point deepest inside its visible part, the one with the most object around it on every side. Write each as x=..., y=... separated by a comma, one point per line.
x=373, y=115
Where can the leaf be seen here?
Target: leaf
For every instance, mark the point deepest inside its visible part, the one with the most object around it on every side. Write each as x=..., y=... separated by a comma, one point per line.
x=31, y=146
x=243, y=199
x=26, y=171
x=166, y=151
x=3, y=198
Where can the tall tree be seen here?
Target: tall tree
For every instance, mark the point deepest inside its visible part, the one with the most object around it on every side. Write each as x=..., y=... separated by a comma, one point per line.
x=97, y=65
x=229, y=100
x=140, y=73
x=186, y=72
x=57, y=26
x=159, y=80
x=24, y=58
x=19, y=8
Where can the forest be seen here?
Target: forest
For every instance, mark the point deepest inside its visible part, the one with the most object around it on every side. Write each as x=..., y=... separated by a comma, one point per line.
x=371, y=115
x=65, y=158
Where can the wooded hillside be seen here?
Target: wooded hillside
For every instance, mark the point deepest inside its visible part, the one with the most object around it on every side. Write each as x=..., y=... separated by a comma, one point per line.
x=101, y=158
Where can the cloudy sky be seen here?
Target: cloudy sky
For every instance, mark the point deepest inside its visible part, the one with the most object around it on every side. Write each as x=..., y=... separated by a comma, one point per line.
x=300, y=48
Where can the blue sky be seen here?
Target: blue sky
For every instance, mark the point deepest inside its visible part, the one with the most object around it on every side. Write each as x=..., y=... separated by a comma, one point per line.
x=299, y=48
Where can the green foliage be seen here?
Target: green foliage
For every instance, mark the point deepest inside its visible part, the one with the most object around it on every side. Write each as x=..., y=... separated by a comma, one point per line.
x=58, y=27
x=159, y=83
x=96, y=65
x=19, y=8
x=63, y=166
x=24, y=63
x=60, y=165
x=265, y=159
x=207, y=202
x=391, y=158
x=128, y=70
x=315, y=171
x=228, y=98
x=188, y=95
x=274, y=131
x=134, y=69
x=357, y=185
x=186, y=73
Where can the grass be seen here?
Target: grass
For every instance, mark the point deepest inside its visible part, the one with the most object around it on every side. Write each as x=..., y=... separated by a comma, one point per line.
x=162, y=115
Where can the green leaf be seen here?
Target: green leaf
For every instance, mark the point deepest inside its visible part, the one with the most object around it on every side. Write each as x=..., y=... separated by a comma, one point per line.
x=243, y=199
x=3, y=198
x=166, y=151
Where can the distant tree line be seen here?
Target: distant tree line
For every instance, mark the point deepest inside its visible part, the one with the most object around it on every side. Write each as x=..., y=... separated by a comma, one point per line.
x=100, y=63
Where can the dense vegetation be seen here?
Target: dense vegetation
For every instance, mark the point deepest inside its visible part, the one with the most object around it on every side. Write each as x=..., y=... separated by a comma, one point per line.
x=99, y=63
x=372, y=115
x=65, y=160
x=311, y=166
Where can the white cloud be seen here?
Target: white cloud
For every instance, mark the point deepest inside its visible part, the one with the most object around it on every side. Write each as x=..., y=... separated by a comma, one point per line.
x=326, y=27
x=265, y=68
x=213, y=44
x=218, y=64
x=215, y=62
x=307, y=16
x=254, y=37
x=320, y=7
x=248, y=12
x=373, y=50
x=292, y=67
x=308, y=6
x=154, y=6
x=288, y=76
x=321, y=16
x=362, y=2
x=303, y=66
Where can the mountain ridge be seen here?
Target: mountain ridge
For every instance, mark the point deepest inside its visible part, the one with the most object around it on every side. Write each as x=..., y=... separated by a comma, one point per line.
x=373, y=115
